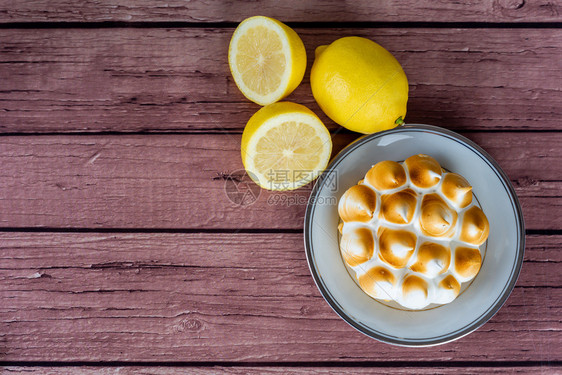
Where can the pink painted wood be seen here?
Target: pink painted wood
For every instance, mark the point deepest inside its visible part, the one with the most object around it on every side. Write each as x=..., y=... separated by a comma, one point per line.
x=237, y=297
x=125, y=80
x=172, y=181
x=294, y=10
x=214, y=300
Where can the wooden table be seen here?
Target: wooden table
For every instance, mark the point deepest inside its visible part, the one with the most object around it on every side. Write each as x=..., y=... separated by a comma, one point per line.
x=119, y=249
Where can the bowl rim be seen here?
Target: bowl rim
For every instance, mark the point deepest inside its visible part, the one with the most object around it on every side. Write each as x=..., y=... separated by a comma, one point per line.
x=508, y=287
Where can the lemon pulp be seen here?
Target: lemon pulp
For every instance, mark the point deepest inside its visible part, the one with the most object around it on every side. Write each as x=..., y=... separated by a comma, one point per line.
x=285, y=146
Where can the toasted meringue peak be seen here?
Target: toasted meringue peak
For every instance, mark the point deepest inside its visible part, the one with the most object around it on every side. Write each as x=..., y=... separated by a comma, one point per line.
x=475, y=227
x=378, y=282
x=358, y=203
x=414, y=292
x=467, y=262
x=399, y=208
x=432, y=259
x=424, y=171
x=386, y=175
x=357, y=246
x=396, y=246
x=437, y=219
x=457, y=189
x=447, y=290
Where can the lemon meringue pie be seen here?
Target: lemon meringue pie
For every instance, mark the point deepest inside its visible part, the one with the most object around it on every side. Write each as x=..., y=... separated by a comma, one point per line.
x=412, y=232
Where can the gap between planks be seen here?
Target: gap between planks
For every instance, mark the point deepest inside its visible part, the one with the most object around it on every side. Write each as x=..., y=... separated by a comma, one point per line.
x=282, y=369
x=300, y=25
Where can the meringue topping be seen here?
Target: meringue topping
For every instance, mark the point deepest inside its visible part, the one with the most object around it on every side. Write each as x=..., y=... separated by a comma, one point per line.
x=396, y=246
x=411, y=232
x=378, y=282
x=456, y=188
x=424, y=171
x=467, y=262
x=358, y=204
x=447, y=290
x=475, y=227
x=399, y=207
x=357, y=246
x=414, y=292
x=386, y=175
x=432, y=259
x=437, y=219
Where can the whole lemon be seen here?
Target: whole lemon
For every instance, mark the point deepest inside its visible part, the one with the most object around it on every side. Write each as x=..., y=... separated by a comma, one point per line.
x=359, y=85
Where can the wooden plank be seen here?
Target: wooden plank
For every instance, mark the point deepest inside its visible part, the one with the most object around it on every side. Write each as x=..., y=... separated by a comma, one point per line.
x=215, y=297
x=288, y=11
x=277, y=370
x=173, y=181
x=84, y=80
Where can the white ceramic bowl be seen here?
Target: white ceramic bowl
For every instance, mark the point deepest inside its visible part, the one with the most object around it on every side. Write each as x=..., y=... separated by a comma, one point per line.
x=501, y=265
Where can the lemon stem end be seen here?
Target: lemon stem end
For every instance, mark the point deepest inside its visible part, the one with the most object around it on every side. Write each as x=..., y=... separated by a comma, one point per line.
x=319, y=51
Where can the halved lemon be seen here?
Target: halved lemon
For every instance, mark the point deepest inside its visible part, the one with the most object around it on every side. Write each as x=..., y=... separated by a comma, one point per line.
x=267, y=59
x=285, y=146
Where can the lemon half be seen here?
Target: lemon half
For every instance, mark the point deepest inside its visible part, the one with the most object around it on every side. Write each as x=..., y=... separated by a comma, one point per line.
x=267, y=59
x=285, y=146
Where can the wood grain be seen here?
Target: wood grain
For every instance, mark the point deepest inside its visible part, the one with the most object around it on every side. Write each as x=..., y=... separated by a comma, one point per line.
x=293, y=11
x=281, y=370
x=125, y=80
x=225, y=297
x=173, y=181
